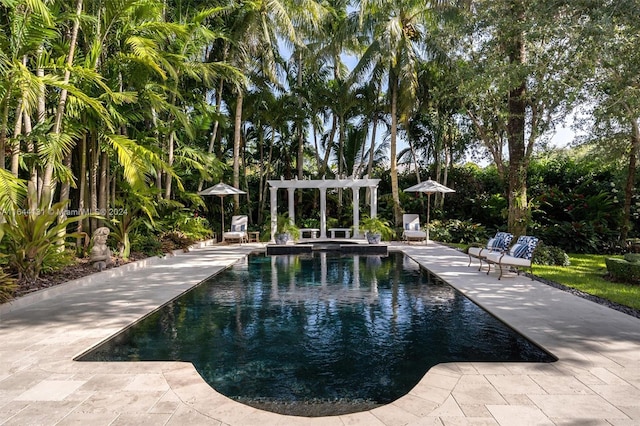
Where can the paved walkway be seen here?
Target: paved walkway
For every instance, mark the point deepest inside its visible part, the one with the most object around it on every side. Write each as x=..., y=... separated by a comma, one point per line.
x=595, y=382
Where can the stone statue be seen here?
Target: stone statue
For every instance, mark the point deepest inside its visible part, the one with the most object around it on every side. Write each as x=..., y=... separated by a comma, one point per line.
x=100, y=255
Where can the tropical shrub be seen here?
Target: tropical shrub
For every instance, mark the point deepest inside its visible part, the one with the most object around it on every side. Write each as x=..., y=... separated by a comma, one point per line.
x=624, y=270
x=550, y=255
x=186, y=222
x=8, y=287
x=576, y=222
x=457, y=231
x=146, y=243
x=33, y=238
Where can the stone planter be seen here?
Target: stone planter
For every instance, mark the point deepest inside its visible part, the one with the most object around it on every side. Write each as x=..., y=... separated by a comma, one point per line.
x=373, y=237
x=281, y=239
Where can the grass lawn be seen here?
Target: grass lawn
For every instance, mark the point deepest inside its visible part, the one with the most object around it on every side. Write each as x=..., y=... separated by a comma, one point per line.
x=586, y=274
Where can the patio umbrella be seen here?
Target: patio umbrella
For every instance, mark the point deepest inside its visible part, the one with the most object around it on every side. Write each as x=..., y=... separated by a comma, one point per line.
x=429, y=187
x=221, y=189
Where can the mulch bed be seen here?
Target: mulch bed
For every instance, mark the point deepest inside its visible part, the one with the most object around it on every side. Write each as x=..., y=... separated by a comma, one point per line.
x=81, y=268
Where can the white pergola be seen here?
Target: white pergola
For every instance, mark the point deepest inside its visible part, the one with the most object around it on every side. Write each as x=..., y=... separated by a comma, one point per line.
x=322, y=185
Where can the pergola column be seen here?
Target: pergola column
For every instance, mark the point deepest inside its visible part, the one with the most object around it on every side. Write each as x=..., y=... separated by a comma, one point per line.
x=274, y=212
x=374, y=201
x=292, y=211
x=356, y=211
x=323, y=212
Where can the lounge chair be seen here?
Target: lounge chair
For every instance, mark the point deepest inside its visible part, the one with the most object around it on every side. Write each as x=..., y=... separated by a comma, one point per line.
x=499, y=243
x=411, y=228
x=519, y=256
x=238, y=231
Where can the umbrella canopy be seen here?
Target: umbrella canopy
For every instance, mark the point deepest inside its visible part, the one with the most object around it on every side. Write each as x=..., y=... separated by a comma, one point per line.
x=429, y=187
x=221, y=189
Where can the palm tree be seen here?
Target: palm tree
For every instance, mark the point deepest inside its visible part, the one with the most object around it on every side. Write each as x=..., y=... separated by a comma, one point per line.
x=397, y=34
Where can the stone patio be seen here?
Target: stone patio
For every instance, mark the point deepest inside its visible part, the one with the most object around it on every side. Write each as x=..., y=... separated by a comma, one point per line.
x=595, y=382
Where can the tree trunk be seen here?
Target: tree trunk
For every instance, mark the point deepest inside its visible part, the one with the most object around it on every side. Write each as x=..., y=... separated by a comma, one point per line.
x=518, y=160
x=237, y=138
x=299, y=130
x=94, y=155
x=47, y=180
x=103, y=184
x=329, y=147
x=631, y=178
x=82, y=188
x=518, y=205
x=15, y=147
x=393, y=170
x=32, y=184
x=170, y=159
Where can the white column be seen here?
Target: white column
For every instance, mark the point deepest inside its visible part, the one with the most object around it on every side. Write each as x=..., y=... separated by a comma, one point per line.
x=274, y=212
x=323, y=212
x=356, y=211
x=292, y=212
x=374, y=201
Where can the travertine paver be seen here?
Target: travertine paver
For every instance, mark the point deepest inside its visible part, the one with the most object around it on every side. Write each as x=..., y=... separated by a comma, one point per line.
x=596, y=380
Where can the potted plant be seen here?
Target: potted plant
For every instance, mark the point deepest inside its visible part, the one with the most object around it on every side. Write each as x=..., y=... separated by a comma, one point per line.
x=375, y=229
x=286, y=230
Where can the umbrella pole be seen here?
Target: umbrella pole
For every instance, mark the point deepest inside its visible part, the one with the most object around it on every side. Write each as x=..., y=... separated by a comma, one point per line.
x=222, y=218
x=428, y=211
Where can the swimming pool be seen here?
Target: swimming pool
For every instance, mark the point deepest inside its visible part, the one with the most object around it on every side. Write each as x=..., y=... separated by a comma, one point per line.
x=319, y=330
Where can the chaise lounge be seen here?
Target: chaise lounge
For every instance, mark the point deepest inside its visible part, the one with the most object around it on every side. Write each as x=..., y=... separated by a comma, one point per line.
x=238, y=232
x=520, y=255
x=411, y=228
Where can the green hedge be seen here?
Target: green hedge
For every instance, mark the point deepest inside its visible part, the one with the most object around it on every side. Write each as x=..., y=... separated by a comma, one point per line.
x=621, y=270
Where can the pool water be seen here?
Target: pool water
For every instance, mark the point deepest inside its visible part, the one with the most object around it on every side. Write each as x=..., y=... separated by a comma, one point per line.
x=319, y=329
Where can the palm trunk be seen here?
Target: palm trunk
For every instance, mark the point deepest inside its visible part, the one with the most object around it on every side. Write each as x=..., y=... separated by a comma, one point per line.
x=299, y=130
x=94, y=155
x=327, y=152
x=17, y=131
x=103, y=189
x=237, y=138
x=393, y=169
x=82, y=187
x=170, y=159
x=32, y=184
x=47, y=180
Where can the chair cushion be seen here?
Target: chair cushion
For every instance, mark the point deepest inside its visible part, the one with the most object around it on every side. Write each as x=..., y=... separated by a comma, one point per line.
x=507, y=260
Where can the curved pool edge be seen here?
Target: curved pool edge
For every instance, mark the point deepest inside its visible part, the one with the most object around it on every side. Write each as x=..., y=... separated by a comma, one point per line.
x=596, y=378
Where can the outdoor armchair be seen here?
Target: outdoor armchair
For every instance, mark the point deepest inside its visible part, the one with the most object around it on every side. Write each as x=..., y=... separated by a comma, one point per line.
x=499, y=243
x=520, y=255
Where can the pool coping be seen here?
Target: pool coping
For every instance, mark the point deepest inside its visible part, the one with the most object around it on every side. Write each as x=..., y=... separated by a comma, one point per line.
x=597, y=377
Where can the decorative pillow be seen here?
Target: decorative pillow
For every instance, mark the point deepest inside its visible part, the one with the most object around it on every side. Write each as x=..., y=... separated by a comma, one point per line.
x=417, y=227
x=242, y=228
x=524, y=247
x=406, y=226
x=491, y=244
x=518, y=250
x=505, y=239
x=233, y=228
